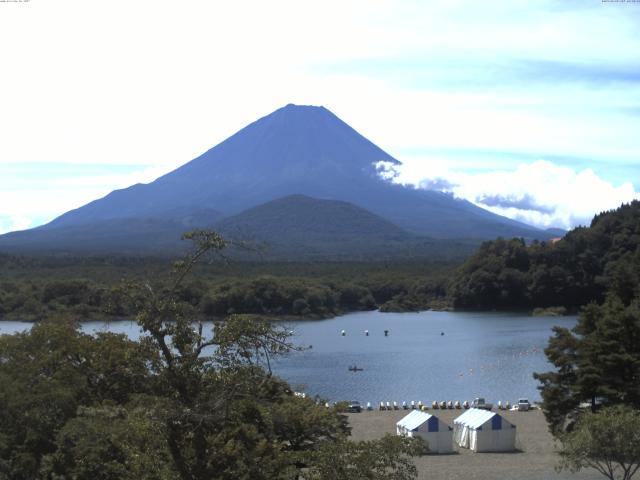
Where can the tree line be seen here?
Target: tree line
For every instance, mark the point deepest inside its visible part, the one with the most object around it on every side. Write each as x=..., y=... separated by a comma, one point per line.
x=582, y=267
x=299, y=291
x=503, y=274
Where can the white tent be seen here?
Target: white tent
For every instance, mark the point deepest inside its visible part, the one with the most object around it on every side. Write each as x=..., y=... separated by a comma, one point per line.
x=439, y=435
x=484, y=431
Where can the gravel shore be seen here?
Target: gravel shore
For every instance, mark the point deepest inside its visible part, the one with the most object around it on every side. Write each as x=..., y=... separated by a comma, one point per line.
x=535, y=458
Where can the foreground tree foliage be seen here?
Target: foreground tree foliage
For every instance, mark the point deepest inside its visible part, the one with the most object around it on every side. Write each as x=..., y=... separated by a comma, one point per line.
x=608, y=441
x=386, y=459
x=46, y=374
x=597, y=362
x=179, y=403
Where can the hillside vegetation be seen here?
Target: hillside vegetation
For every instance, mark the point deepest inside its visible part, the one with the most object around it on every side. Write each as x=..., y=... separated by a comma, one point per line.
x=34, y=288
x=582, y=267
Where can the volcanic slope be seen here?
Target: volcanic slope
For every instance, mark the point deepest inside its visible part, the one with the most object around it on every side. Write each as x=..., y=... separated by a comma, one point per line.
x=303, y=150
x=302, y=227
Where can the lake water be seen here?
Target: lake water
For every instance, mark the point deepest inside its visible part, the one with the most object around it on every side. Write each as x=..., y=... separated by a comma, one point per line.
x=480, y=354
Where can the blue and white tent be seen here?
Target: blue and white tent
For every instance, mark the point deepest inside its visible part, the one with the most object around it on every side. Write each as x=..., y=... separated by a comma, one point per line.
x=484, y=431
x=438, y=435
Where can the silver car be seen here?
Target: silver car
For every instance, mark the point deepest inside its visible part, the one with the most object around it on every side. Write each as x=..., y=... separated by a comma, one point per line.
x=523, y=405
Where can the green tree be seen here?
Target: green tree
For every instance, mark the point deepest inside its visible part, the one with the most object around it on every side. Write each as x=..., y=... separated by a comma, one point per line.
x=110, y=443
x=608, y=441
x=494, y=277
x=598, y=361
x=46, y=374
x=386, y=459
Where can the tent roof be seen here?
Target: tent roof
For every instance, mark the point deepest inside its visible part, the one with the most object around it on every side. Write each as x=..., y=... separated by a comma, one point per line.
x=414, y=420
x=475, y=417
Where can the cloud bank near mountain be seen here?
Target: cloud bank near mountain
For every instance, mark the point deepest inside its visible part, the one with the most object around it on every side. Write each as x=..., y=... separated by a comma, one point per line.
x=540, y=193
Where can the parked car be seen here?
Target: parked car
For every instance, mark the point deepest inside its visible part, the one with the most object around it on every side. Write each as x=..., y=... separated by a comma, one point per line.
x=523, y=405
x=481, y=403
x=354, y=406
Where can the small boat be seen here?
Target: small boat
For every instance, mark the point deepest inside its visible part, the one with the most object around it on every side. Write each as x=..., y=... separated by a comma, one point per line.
x=355, y=368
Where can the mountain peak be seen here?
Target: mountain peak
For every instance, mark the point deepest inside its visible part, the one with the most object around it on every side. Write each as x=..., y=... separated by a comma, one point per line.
x=297, y=149
x=303, y=115
x=293, y=106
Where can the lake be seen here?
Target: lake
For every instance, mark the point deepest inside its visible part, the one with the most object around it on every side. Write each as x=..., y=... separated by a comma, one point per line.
x=480, y=354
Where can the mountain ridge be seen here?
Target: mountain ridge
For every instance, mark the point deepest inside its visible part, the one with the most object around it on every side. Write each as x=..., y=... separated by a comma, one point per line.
x=294, y=150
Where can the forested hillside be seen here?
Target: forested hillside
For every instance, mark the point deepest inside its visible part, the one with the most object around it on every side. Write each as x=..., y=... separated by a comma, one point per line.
x=33, y=288
x=503, y=274
x=580, y=268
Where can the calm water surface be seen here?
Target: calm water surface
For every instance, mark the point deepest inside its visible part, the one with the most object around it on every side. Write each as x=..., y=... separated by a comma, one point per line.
x=480, y=354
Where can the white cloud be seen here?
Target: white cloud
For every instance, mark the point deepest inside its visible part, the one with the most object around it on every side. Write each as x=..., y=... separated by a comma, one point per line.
x=539, y=193
x=11, y=223
x=26, y=205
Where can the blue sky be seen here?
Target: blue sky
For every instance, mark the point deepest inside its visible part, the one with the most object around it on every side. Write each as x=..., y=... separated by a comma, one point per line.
x=528, y=108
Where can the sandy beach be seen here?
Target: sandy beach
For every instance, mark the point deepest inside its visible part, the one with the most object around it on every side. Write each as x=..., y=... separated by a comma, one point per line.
x=534, y=460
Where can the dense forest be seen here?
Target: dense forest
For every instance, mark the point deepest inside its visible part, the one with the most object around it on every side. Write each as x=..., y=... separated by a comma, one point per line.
x=582, y=267
x=568, y=273
x=31, y=288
